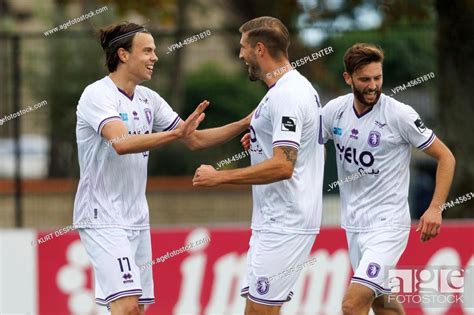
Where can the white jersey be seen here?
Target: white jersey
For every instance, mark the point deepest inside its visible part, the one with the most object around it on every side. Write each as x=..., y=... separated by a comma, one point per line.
x=289, y=115
x=111, y=190
x=373, y=157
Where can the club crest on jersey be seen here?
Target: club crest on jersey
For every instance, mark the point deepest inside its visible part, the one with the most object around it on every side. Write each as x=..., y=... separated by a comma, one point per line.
x=148, y=115
x=288, y=123
x=124, y=116
x=374, y=138
x=373, y=270
x=420, y=125
x=263, y=285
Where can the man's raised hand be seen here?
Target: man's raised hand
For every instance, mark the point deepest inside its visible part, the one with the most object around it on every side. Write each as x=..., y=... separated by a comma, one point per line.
x=187, y=127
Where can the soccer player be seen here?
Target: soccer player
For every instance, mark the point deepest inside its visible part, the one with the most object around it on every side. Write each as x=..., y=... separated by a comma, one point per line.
x=286, y=172
x=118, y=122
x=373, y=135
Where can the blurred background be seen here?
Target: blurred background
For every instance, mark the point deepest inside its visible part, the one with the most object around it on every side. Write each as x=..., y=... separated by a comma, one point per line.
x=43, y=58
x=49, y=53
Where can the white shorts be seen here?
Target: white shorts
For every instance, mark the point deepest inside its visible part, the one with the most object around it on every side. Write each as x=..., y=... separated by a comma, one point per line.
x=274, y=262
x=372, y=254
x=116, y=255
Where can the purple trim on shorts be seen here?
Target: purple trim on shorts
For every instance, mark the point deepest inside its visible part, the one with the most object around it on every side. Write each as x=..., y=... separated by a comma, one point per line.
x=375, y=285
x=106, y=120
x=173, y=124
x=117, y=295
x=428, y=142
x=268, y=302
x=146, y=301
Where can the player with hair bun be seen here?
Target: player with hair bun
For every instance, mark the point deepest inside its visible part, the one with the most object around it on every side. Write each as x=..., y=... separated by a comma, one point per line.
x=118, y=122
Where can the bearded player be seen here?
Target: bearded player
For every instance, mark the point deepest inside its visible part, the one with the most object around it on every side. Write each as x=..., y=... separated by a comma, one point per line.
x=286, y=172
x=373, y=135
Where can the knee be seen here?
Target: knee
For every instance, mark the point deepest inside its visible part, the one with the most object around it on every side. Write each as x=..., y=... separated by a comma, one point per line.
x=349, y=306
x=131, y=309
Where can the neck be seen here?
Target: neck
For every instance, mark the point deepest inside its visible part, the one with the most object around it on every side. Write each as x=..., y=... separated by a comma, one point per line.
x=274, y=71
x=122, y=82
x=361, y=108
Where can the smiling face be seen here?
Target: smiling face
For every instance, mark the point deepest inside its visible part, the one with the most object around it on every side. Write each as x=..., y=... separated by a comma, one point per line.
x=366, y=83
x=247, y=55
x=140, y=59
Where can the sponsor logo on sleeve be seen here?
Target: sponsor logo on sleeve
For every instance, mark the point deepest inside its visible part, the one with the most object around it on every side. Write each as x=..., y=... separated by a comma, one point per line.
x=288, y=123
x=420, y=125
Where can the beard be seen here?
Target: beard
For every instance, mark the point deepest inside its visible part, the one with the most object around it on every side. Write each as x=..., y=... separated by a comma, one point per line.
x=254, y=70
x=360, y=95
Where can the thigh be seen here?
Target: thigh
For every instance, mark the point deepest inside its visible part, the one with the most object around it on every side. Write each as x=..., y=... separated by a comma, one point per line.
x=381, y=251
x=112, y=257
x=274, y=264
x=358, y=297
x=252, y=308
x=125, y=305
x=354, y=249
x=141, y=242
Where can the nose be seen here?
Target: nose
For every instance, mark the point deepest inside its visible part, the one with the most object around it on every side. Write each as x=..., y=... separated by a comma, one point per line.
x=372, y=85
x=154, y=57
x=241, y=56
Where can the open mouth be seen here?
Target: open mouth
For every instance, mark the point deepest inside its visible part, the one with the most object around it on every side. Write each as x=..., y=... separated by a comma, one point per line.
x=149, y=68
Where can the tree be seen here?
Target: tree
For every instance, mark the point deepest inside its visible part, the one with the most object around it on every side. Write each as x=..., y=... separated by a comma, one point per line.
x=455, y=81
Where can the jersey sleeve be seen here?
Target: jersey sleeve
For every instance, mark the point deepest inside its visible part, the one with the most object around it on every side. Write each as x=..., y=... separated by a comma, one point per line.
x=327, y=122
x=97, y=109
x=413, y=130
x=287, y=123
x=165, y=118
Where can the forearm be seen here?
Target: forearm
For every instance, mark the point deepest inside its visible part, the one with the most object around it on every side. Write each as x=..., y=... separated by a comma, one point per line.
x=266, y=172
x=143, y=143
x=444, y=178
x=206, y=138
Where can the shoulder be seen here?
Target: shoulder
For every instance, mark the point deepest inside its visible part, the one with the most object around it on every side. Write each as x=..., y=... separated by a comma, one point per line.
x=99, y=92
x=295, y=90
x=151, y=96
x=338, y=103
x=100, y=86
x=396, y=110
x=100, y=89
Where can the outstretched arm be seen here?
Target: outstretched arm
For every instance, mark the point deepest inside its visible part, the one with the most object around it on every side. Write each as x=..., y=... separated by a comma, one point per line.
x=201, y=139
x=123, y=143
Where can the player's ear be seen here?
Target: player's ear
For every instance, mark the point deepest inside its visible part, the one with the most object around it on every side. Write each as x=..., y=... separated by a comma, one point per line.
x=122, y=54
x=347, y=78
x=260, y=48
